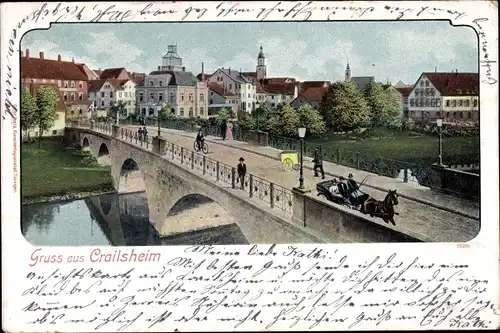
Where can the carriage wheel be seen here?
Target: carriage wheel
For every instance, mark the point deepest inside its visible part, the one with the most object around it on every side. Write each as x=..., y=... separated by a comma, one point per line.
x=322, y=196
x=288, y=164
x=205, y=148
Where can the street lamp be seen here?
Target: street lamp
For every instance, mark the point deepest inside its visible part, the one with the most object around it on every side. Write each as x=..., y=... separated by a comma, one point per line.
x=439, y=123
x=302, y=134
x=158, y=110
x=117, y=120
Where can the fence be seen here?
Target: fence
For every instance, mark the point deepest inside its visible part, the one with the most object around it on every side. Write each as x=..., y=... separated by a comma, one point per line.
x=424, y=175
x=269, y=193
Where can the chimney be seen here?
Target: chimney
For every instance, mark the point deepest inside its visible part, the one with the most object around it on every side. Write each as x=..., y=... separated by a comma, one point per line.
x=41, y=55
x=435, y=69
x=202, y=71
x=27, y=53
x=73, y=59
x=229, y=70
x=59, y=57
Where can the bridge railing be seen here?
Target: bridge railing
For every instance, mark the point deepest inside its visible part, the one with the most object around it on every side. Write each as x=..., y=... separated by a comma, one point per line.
x=269, y=193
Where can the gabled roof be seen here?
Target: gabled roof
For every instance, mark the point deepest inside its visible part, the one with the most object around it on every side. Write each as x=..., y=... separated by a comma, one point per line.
x=217, y=88
x=314, y=94
x=96, y=85
x=87, y=71
x=280, y=88
x=112, y=73
x=178, y=78
x=405, y=91
x=272, y=80
x=454, y=84
x=305, y=85
x=50, y=69
x=362, y=81
x=234, y=75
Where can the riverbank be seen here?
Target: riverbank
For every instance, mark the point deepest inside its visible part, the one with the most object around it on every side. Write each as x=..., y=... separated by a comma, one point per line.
x=55, y=172
x=63, y=198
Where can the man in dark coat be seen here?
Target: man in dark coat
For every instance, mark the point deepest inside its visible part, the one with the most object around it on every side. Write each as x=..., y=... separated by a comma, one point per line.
x=223, y=128
x=318, y=163
x=242, y=171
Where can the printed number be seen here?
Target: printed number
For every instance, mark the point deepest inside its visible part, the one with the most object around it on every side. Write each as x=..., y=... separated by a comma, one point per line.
x=463, y=246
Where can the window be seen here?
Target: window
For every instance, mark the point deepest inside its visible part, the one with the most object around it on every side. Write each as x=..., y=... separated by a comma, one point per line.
x=421, y=83
x=151, y=97
x=182, y=96
x=181, y=112
x=466, y=103
x=161, y=83
x=461, y=114
x=230, y=86
x=474, y=102
x=102, y=103
x=172, y=98
x=103, y=94
x=59, y=83
x=438, y=102
x=126, y=94
x=80, y=96
x=460, y=102
x=453, y=103
x=412, y=102
x=272, y=97
x=433, y=92
x=433, y=102
x=110, y=94
x=190, y=112
x=54, y=132
x=160, y=97
x=151, y=111
x=454, y=114
x=426, y=83
x=65, y=96
x=427, y=102
x=447, y=103
x=150, y=83
x=80, y=111
x=202, y=97
x=191, y=97
x=202, y=111
x=80, y=84
x=72, y=84
x=469, y=115
x=416, y=92
x=65, y=84
x=143, y=111
x=141, y=97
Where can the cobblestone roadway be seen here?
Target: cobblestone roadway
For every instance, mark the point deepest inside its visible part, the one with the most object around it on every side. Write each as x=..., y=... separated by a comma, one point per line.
x=432, y=223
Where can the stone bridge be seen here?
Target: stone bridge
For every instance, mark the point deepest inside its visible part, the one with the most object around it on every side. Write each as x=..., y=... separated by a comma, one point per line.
x=267, y=213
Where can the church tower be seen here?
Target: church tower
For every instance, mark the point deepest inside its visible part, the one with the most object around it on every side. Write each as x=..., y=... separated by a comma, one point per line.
x=261, y=69
x=348, y=72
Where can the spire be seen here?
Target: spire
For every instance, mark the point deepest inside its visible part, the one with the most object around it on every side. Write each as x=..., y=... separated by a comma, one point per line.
x=348, y=72
x=261, y=53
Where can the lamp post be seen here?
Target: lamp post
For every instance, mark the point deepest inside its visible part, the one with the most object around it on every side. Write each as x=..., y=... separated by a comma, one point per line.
x=158, y=110
x=302, y=134
x=117, y=120
x=439, y=123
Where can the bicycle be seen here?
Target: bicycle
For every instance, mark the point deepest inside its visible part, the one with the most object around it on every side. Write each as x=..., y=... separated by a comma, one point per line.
x=204, y=147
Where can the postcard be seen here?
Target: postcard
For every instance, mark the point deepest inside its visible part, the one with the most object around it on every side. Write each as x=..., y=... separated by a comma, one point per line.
x=249, y=166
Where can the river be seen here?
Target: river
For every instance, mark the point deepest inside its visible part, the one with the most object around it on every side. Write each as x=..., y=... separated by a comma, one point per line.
x=123, y=220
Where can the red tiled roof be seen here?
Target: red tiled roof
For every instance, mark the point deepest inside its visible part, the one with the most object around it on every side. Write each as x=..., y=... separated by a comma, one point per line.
x=280, y=88
x=96, y=85
x=50, y=69
x=272, y=80
x=97, y=71
x=313, y=84
x=219, y=89
x=314, y=94
x=405, y=91
x=455, y=84
x=112, y=73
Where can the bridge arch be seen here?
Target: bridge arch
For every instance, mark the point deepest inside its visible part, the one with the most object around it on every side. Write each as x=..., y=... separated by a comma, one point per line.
x=103, y=156
x=131, y=177
x=85, y=142
x=197, y=212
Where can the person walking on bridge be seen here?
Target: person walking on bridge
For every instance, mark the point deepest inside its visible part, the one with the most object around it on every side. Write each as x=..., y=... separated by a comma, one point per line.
x=242, y=171
x=318, y=163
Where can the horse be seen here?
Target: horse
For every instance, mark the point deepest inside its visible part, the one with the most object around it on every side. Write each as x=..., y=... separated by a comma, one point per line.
x=383, y=209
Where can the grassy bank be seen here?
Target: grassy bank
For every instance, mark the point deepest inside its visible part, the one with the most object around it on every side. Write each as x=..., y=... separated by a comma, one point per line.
x=407, y=146
x=58, y=170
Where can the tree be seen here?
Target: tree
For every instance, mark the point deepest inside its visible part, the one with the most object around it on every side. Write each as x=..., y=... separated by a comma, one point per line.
x=285, y=123
x=46, y=100
x=311, y=119
x=166, y=113
x=383, y=106
x=28, y=111
x=222, y=116
x=118, y=108
x=344, y=107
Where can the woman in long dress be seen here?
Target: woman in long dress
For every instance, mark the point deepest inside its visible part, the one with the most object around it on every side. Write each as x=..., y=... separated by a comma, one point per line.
x=229, y=130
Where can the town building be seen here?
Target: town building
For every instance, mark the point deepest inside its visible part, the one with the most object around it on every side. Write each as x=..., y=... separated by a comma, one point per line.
x=238, y=84
x=70, y=80
x=221, y=98
x=362, y=82
x=405, y=93
x=452, y=96
x=397, y=96
x=310, y=92
x=104, y=93
x=172, y=85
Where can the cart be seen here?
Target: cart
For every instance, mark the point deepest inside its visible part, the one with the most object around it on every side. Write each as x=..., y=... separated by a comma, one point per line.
x=290, y=160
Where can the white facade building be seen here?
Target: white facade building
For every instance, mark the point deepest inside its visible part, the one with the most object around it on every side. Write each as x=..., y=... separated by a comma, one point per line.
x=238, y=84
x=453, y=97
x=103, y=93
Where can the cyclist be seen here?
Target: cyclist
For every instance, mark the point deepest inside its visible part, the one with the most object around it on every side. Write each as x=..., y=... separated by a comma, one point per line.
x=200, y=139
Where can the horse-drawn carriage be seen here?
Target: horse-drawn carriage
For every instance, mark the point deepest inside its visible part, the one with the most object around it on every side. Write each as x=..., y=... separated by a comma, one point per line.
x=352, y=197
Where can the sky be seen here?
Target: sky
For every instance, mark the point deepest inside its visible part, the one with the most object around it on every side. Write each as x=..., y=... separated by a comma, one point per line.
x=390, y=51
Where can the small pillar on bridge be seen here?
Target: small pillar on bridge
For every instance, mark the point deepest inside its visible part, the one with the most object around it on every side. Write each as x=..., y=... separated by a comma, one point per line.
x=298, y=204
x=92, y=124
x=159, y=145
x=258, y=138
x=116, y=130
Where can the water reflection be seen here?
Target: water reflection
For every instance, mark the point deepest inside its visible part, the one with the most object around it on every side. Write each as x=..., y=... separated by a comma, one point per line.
x=112, y=220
